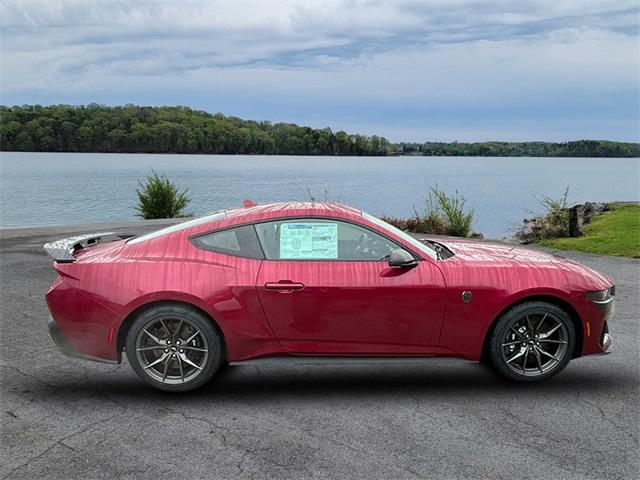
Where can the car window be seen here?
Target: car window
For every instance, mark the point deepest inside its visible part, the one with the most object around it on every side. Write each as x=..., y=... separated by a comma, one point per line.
x=268, y=235
x=321, y=239
x=422, y=248
x=239, y=241
x=213, y=217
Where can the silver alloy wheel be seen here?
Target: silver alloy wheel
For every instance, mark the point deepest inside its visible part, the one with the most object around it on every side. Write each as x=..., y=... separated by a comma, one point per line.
x=171, y=349
x=535, y=344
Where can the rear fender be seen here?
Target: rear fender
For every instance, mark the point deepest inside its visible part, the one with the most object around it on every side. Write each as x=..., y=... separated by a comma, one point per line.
x=245, y=337
x=155, y=297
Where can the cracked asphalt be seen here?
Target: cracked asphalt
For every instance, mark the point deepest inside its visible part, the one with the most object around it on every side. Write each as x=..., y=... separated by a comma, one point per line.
x=72, y=419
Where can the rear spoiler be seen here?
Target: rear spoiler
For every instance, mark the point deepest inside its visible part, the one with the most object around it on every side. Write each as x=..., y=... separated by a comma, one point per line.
x=62, y=250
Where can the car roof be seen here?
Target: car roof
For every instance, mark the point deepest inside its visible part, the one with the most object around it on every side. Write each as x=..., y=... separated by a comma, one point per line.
x=259, y=213
x=251, y=214
x=288, y=209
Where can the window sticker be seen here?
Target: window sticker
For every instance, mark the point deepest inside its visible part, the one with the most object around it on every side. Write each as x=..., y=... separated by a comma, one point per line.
x=309, y=240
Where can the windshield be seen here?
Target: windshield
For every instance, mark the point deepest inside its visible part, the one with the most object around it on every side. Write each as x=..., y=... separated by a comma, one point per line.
x=422, y=247
x=180, y=226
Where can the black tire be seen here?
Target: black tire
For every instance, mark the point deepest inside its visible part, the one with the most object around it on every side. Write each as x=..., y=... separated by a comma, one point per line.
x=205, y=352
x=528, y=355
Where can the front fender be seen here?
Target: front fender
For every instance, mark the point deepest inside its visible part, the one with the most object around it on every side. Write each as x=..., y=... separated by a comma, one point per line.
x=467, y=324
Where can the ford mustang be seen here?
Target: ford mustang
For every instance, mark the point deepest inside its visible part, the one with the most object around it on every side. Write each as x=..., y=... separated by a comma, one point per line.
x=317, y=282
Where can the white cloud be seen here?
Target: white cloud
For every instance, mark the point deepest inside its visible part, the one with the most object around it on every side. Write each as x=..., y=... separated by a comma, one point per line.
x=311, y=57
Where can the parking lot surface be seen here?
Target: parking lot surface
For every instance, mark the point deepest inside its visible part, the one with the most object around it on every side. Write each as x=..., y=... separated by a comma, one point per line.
x=72, y=419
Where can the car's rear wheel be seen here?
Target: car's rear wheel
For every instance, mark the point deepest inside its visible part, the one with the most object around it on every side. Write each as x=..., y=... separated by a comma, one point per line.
x=174, y=347
x=532, y=341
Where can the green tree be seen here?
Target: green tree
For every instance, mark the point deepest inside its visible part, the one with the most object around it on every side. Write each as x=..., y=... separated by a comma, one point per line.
x=131, y=128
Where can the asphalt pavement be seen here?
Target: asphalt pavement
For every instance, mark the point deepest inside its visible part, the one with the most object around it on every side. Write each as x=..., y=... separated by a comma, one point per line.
x=72, y=419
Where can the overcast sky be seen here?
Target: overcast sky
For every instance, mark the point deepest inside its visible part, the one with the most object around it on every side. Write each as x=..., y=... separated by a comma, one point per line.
x=408, y=70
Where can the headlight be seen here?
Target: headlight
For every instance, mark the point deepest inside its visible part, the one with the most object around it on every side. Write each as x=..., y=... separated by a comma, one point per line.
x=603, y=296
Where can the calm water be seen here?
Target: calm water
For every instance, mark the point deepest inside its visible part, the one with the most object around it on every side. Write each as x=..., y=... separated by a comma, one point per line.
x=58, y=188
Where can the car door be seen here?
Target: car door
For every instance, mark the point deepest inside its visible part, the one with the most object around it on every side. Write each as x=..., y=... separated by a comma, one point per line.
x=326, y=288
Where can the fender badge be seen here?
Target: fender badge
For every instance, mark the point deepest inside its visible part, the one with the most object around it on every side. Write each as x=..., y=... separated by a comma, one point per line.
x=466, y=296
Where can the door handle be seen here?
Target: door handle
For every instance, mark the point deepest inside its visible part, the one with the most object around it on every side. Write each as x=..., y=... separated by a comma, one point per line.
x=284, y=286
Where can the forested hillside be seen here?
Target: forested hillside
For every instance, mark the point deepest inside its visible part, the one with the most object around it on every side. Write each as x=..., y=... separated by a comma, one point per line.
x=135, y=129
x=97, y=128
x=578, y=148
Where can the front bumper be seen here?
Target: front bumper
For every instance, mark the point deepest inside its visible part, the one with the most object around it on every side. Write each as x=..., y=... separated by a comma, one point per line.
x=605, y=340
x=65, y=346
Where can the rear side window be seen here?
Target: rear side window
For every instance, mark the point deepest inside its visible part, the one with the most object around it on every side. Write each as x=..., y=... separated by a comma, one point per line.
x=214, y=217
x=239, y=242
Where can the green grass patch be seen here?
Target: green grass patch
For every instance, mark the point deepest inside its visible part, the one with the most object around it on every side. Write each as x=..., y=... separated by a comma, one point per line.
x=616, y=232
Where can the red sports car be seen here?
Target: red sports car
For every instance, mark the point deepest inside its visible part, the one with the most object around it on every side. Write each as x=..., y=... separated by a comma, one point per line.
x=317, y=282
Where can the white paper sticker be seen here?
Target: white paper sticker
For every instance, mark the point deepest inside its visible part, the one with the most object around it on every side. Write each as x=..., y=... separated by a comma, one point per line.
x=309, y=240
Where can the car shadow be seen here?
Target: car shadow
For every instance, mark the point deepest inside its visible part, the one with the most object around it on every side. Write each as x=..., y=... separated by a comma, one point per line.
x=274, y=383
x=472, y=379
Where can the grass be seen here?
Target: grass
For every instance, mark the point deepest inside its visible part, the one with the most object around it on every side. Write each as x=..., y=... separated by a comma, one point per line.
x=616, y=232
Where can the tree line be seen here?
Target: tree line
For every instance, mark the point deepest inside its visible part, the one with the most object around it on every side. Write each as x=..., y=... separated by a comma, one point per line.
x=578, y=148
x=136, y=129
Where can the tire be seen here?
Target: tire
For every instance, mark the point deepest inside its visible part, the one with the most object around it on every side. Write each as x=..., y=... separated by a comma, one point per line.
x=532, y=341
x=174, y=347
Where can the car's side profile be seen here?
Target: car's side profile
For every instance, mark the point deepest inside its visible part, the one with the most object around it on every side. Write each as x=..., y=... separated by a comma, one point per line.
x=317, y=282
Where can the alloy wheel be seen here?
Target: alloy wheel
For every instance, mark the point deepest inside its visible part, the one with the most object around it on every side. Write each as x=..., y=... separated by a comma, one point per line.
x=171, y=350
x=535, y=344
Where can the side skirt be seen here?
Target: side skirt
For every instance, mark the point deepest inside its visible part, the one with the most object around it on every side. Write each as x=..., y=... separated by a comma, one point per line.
x=353, y=360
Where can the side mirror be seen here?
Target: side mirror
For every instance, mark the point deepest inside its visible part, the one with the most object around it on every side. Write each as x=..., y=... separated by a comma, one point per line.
x=400, y=258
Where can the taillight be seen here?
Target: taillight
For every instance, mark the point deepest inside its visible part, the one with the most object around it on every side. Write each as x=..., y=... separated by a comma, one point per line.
x=67, y=269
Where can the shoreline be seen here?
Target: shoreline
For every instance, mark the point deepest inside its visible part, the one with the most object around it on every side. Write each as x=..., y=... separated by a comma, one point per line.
x=7, y=233
x=305, y=155
x=16, y=232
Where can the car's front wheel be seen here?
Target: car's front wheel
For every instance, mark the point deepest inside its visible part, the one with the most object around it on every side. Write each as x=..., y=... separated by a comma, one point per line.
x=532, y=341
x=174, y=347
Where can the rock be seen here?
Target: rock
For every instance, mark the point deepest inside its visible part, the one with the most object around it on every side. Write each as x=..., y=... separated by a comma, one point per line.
x=593, y=208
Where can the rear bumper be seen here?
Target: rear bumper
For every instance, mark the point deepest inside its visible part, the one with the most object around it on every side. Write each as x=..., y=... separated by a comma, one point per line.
x=80, y=326
x=65, y=346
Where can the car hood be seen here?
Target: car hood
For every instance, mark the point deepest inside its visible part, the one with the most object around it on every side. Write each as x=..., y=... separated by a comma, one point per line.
x=475, y=252
x=479, y=251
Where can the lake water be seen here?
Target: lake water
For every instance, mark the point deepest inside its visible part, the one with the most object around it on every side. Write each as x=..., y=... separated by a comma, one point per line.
x=39, y=189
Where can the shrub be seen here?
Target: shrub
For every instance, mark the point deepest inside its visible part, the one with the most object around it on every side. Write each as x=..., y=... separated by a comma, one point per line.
x=431, y=220
x=417, y=224
x=553, y=222
x=400, y=223
x=160, y=198
x=557, y=214
x=443, y=215
x=451, y=211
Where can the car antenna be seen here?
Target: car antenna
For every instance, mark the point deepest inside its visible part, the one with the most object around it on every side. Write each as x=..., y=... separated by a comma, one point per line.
x=248, y=203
